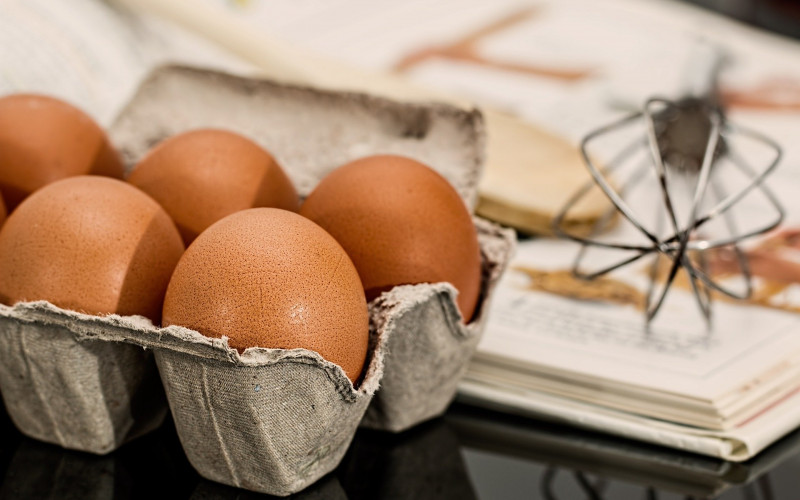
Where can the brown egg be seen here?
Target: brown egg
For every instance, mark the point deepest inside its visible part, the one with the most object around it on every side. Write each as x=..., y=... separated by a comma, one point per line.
x=42, y=140
x=89, y=244
x=401, y=223
x=269, y=278
x=3, y=212
x=201, y=176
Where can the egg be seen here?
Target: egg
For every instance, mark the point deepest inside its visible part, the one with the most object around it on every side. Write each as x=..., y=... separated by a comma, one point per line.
x=266, y=277
x=42, y=140
x=401, y=223
x=90, y=244
x=3, y=213
x=201, y=176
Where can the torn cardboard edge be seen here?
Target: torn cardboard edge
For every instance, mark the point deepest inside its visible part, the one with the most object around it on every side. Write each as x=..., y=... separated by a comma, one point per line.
x=180, y=352
x=140, y=331
x=91, y=396
x=208, y=384
x=428, y=344
x=496, y=246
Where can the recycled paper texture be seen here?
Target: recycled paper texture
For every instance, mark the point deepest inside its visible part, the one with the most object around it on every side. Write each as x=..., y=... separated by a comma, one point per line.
x=429, y=346
x=90, y=396
x=268, y=420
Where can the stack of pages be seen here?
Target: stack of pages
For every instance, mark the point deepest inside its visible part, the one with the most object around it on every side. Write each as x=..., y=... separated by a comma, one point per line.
x=729, y=394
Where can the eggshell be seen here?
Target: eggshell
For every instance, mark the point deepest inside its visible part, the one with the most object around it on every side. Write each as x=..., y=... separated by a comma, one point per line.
x=201, y=176
x=42, y=140
x=266, y=277
x=89, y=244
x=401, y=223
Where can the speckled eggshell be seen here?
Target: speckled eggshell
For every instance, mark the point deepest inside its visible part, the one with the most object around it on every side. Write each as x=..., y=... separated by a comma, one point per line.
x=89, y=244
x=401, y=223
x=43, y=139
x=266, y=277
x=201, y=176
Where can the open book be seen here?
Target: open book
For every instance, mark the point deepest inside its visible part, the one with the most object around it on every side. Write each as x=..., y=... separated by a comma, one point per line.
x=578, y=352
x=729, y=392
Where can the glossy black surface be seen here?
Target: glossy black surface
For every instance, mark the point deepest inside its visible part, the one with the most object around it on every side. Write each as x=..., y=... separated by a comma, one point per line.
x=778, y=16
x=468, y=454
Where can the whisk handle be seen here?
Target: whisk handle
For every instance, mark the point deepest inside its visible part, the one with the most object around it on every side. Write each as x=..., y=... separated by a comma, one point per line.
x=702, y=71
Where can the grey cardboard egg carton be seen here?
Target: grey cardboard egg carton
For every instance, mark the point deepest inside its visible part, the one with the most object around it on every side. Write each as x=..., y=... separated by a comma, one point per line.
x=91, y=383
x=237, y=422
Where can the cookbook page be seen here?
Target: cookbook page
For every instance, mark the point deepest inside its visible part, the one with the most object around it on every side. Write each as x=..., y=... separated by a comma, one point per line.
x=607, y=344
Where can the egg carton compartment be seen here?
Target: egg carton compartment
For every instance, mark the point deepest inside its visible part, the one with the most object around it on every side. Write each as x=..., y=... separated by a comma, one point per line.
x=272, y=421
x=88, y=395
x=267, y=420
x=429, y=346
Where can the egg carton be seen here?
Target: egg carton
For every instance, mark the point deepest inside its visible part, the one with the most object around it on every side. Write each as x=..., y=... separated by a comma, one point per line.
x=268, y=420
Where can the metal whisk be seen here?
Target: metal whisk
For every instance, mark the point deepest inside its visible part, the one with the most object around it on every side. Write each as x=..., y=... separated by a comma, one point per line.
x=690, y=150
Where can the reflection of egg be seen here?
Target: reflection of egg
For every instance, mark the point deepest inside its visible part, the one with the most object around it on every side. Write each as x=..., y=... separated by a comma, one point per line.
x=270, y=278
x=42, y=140
x=89, y=244
x=401, y=223
x=201, y=176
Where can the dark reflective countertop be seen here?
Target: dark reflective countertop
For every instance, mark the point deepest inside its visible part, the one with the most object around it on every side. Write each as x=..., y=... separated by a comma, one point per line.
x=468, y=454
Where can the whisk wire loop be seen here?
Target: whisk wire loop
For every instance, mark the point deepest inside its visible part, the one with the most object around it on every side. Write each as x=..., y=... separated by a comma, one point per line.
x=684, y=247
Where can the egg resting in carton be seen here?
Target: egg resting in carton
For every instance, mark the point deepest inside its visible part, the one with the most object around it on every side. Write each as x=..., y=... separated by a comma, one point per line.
x=81, y=381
